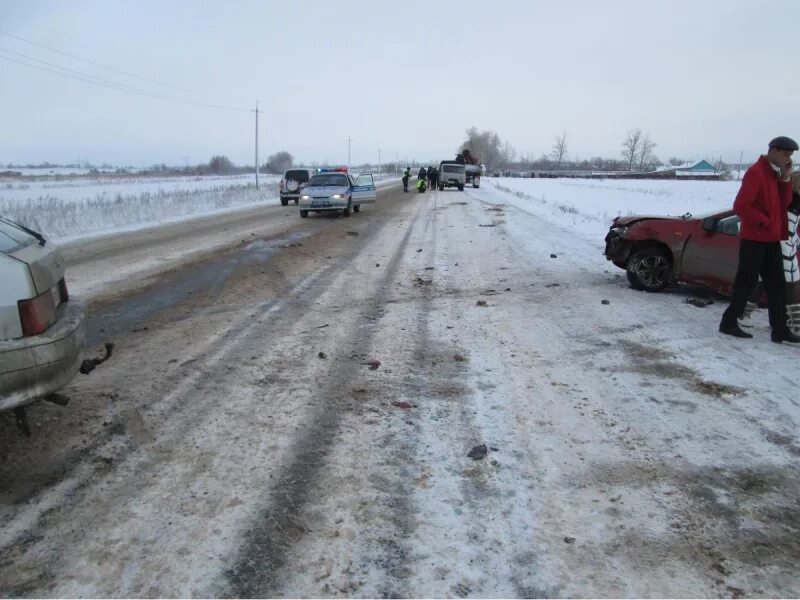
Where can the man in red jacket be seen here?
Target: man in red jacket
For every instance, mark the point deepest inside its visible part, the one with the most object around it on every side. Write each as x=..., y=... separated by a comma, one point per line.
x=762, y=204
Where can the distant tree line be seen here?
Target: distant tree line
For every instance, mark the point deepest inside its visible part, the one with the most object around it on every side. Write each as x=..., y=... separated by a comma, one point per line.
x=636, y=154
x=217, y=165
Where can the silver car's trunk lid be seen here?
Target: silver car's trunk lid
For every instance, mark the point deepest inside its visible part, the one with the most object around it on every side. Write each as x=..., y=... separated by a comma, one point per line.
x=45, y=264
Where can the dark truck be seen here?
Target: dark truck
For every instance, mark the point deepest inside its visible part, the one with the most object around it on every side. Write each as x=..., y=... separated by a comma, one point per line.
x=472, y=167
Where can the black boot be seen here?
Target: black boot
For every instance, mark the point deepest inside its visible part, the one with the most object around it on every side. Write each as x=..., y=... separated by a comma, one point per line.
x=734, y=330
x=785, y=336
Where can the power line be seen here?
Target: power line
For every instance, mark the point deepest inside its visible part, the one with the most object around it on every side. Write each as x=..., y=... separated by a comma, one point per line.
x=110, y=84
x=102, y=66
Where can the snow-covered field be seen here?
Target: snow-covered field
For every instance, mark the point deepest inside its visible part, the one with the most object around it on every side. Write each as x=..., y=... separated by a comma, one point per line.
x=82, y=207
x=589, y=205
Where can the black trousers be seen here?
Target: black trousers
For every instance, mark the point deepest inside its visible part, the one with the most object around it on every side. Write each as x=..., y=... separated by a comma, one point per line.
x=765, y=259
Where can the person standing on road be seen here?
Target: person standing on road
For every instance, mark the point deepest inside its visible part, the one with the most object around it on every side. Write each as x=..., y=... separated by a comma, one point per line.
x=762, y=204
x=432, y=173
x=423, y=174
x=406, y=177
x=791, y=266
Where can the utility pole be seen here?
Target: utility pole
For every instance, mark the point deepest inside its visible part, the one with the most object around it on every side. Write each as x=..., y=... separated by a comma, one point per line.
x=379, y=162
x=257, y=111
x=348, y=153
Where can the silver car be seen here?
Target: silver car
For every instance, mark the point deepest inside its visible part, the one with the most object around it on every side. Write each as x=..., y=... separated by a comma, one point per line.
x=337, y=190
x=41, y=327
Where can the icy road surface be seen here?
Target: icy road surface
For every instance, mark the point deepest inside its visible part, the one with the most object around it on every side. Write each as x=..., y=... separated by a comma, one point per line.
x=239, y=443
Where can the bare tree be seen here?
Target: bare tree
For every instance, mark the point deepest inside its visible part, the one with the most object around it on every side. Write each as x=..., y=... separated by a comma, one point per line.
x=675, y=161
x=646, y=152
x=487, y=147
x=560, y=149
x=279, y=162
x=631, y=146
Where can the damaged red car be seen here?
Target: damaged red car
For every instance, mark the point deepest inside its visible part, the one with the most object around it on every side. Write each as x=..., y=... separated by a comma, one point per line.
x=657, y=250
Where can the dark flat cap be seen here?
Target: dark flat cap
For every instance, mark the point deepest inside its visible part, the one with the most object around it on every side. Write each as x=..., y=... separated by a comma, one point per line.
x=784, y=143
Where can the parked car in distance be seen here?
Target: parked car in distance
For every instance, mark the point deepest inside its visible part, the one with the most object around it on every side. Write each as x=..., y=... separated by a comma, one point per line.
x=452, y=174
x=334, y=189
x=292, y=184
x=655, y=250
x=41, y=327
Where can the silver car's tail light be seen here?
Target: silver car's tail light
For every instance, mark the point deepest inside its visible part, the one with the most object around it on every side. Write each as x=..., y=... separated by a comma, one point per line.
x=37, y=314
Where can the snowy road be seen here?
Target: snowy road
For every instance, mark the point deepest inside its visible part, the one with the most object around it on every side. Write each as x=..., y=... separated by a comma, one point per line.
x=239, y=445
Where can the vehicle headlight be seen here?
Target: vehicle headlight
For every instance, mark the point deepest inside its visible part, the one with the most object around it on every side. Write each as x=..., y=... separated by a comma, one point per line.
x=339, y=196
x=305, y=197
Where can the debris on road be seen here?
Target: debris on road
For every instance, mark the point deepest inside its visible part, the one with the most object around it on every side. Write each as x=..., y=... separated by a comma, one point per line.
x=322, y=355
x=459, y=357
x=373, y=364
x=478, y=452
x=89, y=365
x=419, y=249
x=353, y=233
x=605, y=301
x=481, y=303
x=553, y=285
x=553, y=256
x=699, y=302
x=569, y=540
x=420, y=281
x=488, y=225
x=323, y=326
x=402, y=404
x=377, y=264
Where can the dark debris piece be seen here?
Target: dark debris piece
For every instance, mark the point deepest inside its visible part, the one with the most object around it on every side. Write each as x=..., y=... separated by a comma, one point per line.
x=699, y=302
x=89, y=365
x=478, y=452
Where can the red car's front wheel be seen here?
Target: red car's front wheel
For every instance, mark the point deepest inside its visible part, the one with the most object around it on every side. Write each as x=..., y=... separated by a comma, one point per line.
x=649, y=269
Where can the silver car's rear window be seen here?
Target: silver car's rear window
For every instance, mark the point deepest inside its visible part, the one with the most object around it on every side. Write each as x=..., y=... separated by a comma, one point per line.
x=452, y=168
x=13, y=238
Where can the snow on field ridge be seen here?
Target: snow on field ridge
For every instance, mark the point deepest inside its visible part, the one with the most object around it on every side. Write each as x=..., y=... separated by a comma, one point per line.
x=85, y=207
x=589, y=205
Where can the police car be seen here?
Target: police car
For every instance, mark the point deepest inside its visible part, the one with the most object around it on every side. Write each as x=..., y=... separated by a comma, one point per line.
x=334, y=189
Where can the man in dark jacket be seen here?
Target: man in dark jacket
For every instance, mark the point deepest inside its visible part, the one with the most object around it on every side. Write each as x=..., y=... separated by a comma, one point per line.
x=432, y=175
x=762, y=204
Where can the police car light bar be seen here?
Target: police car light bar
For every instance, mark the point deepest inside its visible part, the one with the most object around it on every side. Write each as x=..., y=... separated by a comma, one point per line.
x=332, y=170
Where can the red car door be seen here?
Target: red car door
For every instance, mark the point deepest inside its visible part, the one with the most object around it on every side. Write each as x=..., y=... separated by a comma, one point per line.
x=711, y=254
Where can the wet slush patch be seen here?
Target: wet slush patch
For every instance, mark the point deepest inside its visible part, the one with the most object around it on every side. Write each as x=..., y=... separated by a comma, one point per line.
x=123, y=315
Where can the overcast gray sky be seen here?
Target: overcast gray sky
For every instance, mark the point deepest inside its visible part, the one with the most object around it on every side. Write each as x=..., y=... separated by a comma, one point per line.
x=705, y=79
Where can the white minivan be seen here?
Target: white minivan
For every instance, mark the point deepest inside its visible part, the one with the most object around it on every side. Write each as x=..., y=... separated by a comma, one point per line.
x=452, y=174
x=41, y=327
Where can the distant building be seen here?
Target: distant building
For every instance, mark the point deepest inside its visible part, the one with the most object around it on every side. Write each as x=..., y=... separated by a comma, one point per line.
x=702, y=169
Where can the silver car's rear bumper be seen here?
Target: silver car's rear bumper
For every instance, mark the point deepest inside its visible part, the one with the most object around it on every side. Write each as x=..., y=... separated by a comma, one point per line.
x=36, y=366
